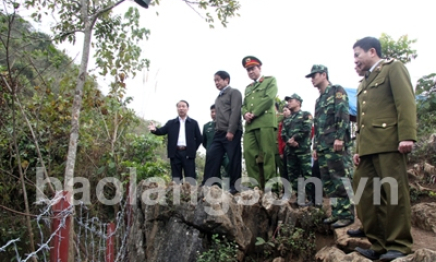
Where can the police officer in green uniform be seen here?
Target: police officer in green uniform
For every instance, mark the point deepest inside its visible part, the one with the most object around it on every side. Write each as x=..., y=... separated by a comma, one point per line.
x=331, y=144
x=260, y=122
x=208, y=133
x=386, y=122
x=296, y=133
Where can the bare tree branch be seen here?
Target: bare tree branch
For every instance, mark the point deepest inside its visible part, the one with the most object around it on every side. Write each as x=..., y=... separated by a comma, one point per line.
x=107, y=9
x=188, y=3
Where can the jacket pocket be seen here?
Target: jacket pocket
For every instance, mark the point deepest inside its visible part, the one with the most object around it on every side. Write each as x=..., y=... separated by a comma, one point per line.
x=378, y=81
x=384, y=123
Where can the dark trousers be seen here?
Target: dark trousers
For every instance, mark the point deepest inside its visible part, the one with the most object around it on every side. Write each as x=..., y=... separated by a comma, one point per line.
x=282, y=166
x=214, y=156
x=182, y=161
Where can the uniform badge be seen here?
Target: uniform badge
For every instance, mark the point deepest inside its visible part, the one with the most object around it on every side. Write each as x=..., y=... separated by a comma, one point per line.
x=339, y=95
x=247, y=60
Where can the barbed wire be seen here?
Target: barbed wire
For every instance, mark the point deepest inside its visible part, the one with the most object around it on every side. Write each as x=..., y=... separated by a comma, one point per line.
x=90, y=234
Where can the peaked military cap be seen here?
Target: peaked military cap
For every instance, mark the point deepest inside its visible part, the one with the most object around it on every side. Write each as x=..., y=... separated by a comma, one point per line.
x=294, y=96
x=249, y=61
x=317, y=69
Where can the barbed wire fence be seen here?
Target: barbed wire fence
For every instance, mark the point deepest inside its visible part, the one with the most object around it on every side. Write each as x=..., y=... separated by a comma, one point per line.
x=92, y=237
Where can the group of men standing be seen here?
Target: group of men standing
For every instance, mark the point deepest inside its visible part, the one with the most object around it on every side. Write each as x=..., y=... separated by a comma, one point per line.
x=386, y=131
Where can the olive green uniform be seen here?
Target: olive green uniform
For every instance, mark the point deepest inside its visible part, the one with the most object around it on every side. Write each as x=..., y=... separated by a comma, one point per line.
x=386, y=116
x=260, y=134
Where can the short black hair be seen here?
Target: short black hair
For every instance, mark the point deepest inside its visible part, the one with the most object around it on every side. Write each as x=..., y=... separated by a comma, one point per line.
x=183, y=101
x=212, y=107
x=223, y=74
x=369, y=42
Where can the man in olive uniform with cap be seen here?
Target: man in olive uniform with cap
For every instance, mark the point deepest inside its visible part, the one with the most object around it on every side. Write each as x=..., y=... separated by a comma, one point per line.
x=296, y=133
x=331, y=144
x=259, y=113
x=386, y=122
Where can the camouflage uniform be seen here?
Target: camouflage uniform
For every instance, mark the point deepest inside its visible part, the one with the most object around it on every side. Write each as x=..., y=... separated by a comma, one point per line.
x=332, y=122
x=298, y=159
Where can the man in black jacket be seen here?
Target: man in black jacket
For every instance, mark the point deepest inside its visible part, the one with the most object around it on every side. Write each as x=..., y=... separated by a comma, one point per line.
x=184, y=138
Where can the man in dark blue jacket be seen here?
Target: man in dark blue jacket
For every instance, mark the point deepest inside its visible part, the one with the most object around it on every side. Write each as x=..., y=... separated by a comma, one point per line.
x=184, y=138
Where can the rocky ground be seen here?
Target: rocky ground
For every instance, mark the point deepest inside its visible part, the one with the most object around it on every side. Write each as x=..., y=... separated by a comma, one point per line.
x=262, y=229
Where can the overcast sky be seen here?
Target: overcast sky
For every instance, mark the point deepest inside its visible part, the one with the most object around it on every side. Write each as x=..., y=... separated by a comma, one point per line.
x=288, y=36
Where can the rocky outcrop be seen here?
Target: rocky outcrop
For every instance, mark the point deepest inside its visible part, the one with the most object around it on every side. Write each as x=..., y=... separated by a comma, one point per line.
x=334, y=254
x=347, y=243
x=424, y=216
x=176, y=223
x=420, y=255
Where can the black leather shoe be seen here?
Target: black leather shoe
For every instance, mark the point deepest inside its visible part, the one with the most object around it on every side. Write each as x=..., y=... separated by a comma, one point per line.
x=342, y=223
x=368, y=253
x=233, y=191
x=391, y=255
x=356, y=233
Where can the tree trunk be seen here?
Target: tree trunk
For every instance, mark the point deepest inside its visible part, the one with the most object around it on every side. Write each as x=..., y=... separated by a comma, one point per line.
x=23, y=184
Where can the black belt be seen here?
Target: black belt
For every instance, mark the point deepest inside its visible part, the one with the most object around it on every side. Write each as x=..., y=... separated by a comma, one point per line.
x=181, y=148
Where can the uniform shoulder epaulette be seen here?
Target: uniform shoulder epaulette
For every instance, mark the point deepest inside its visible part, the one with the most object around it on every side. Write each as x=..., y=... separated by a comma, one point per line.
x=338, y=87
x=266, y=77
x=389, y=60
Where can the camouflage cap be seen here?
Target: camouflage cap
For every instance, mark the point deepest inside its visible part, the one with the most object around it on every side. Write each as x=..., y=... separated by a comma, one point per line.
x=317, y=69
x=294, y=96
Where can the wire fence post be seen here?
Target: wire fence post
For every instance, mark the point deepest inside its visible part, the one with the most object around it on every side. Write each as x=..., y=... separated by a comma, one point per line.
x=61, y=227
x=110, y=242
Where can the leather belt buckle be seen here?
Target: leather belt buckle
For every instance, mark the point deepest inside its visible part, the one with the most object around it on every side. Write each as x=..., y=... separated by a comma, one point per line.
x=181, y=148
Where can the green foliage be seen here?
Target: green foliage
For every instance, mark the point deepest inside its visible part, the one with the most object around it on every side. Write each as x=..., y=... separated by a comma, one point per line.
x=221, y=250
x=426, y=85
x=399, y=49
x=121, y=53
x=111, y=135
x=142, y=157
x=426, y=116
x=223, y=9
x=290, y=242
